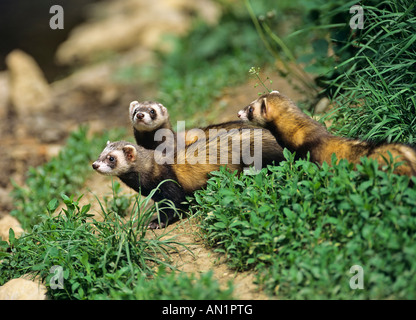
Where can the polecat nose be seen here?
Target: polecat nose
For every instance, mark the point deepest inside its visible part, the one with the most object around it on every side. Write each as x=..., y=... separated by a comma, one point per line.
x=95, y=166
x=239, y=114
x=140, y=116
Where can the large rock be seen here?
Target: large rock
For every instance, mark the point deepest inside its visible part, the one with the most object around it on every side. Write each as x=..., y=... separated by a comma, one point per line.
x=22, y=289
x=29, y=90
x=121, y=25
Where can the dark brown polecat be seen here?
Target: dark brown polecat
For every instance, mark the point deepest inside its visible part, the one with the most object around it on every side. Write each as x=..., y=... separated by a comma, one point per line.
x=152, y=126
x=143, y=169
x=147, y=117
x=300, y=133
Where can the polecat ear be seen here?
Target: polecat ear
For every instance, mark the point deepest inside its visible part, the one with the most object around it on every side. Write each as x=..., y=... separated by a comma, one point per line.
x=108, y=142
x=263, y=107
x=130, y=152
x=133, y=104
x=163, y=109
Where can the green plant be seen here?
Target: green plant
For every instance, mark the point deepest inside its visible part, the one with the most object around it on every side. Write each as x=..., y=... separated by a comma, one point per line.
x=302, y=227
x=105, y=259
x=205, y=61
x=368, y=72
x=64, y=173
x=255, y=72
x=174, y=286
x=117, y=203
x=287, y=48
x=376, y=91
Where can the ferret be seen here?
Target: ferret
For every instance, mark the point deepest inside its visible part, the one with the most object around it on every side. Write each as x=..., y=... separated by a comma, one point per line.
x=143, y=169
x=300, y=133
x=147, y=117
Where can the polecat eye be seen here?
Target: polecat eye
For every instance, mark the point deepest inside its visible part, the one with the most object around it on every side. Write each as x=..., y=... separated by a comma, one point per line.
x=111, y=158
x=152, y=111
x=251, y=109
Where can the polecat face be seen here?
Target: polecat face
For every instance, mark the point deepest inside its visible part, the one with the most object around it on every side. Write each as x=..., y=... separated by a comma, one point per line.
x=258, y=111
x=148, y=115
x=254, y=112
x=116, y=159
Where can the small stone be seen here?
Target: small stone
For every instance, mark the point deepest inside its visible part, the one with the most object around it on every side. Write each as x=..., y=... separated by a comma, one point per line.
x=322, y=105
x=22, y=289
x=29, y=90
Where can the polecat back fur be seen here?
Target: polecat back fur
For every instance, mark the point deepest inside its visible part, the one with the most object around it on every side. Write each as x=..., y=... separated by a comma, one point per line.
x=300, y=133
x=142, y=169
x=148, y=117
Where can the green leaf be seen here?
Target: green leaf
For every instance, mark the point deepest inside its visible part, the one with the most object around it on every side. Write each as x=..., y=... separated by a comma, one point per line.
x=39, y=267
x=52, y=205
x=11, y=237
x=289, y=213
x=250, y=232
x=85, y=209
x=4, y=244
x=66, y=199
x=219, y=225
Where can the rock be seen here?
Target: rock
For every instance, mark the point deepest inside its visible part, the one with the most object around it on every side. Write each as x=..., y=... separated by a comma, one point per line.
x=125, y=24
x=22, y=289
x=98, y=92
x=46, y=128
x=208, y=10
x=89, y=88
x=91, y=78
x=322, y=105
x=29, y=90
x=6, y=223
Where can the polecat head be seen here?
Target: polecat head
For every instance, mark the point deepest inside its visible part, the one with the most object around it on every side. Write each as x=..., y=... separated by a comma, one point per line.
x=116, y=159
x=265, y=108
x=148, y=115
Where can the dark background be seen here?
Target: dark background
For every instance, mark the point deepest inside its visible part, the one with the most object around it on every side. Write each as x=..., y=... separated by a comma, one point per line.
x=24, y=24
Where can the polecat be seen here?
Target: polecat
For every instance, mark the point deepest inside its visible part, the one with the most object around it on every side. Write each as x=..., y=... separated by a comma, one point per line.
x=143, y=170
x=150, y=116
x=147, y=117
x=300, y=133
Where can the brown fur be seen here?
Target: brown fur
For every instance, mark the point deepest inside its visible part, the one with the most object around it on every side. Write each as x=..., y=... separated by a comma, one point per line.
x=147, y=117
x=142, y=169
x=193, y=177
x=300, y=133
x=145, y=134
